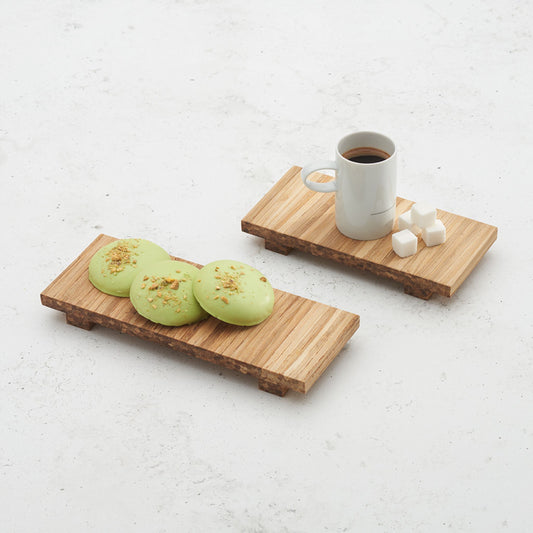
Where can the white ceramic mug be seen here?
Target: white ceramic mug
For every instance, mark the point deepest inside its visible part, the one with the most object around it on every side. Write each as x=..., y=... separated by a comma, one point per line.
x=365, y=192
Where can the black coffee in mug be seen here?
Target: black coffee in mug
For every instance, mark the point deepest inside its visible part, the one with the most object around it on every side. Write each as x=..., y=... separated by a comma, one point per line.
x=365, y=155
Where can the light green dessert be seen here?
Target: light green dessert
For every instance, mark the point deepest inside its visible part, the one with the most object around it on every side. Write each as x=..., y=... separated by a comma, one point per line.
x=163, y=293
x=113, y=267
x=234, y=292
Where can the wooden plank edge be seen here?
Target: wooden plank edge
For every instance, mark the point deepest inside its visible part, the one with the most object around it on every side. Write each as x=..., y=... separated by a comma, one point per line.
x=78, y=316
x=414, y=284
x=343, y=339
x=476, y=259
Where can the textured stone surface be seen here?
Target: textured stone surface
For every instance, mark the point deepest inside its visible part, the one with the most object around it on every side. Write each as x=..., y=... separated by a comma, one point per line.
x=115, y=117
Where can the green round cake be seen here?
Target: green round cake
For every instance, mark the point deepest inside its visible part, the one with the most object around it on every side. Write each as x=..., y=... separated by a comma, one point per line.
x=163, y=293
x=234, y=292
x=113, y=267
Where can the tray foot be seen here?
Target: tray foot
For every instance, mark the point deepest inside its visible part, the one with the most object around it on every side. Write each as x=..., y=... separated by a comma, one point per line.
x=273, y=388
x=75, y=319
x=419, y=292
x=276, y=247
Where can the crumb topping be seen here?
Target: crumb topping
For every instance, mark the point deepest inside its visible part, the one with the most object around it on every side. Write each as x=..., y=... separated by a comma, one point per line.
x=119, y=256
x=229, y=280
x=164, y=289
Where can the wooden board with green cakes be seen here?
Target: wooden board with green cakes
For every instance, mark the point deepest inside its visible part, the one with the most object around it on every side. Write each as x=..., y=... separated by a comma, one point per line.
x=289, y=350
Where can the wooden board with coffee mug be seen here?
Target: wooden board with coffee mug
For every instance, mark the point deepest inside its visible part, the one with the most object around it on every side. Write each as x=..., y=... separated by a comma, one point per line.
x=290, y=216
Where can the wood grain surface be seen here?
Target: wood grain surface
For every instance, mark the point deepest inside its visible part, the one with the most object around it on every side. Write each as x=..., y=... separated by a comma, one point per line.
x=292, y=216
x=289, y=350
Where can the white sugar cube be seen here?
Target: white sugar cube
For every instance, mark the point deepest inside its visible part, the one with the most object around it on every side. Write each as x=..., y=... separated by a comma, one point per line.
x=405, y=221
x=404, y=243
x=434, y=234
x=423, y=215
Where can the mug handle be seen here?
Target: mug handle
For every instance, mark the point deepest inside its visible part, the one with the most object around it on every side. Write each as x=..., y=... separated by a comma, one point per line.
x=330, y=186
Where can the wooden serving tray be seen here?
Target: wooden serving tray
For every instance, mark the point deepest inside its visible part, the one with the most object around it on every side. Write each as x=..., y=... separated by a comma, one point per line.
x=292, y=216
x=289, y=350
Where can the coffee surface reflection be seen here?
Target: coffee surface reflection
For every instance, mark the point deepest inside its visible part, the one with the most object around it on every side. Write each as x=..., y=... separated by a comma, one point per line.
x=365, y=155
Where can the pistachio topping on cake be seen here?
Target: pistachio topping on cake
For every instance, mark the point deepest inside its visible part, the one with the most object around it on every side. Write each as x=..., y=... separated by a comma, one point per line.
x=234, y=292
x=120, y=255
x=113, y=267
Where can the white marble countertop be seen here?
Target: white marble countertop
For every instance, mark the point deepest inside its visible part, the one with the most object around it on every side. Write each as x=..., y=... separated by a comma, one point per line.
x=169, y=120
